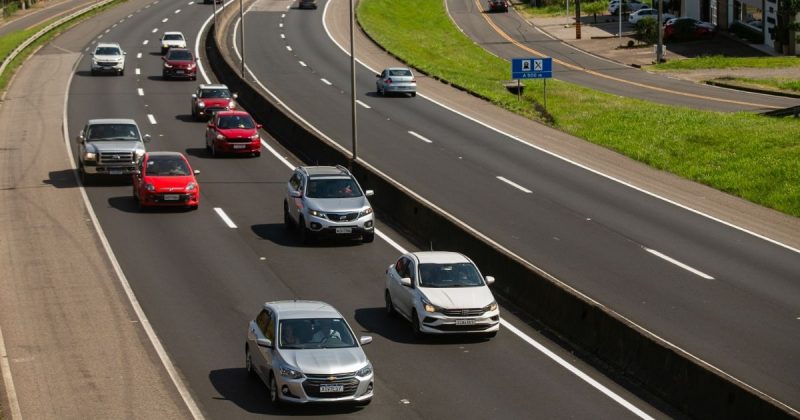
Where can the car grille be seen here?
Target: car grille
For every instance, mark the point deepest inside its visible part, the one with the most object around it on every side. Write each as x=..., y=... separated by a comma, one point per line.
x=463, y=312
x=159, y=198
x=312, y=383
x=106, y=63
x=453, y=327
x=111, y=158
x=342, y=217
x=239, y=140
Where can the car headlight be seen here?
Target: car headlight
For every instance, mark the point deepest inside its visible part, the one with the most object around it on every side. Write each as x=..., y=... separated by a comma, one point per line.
x=139, y=153
x=168, y=65
x=191, y=66
x=365, y=371
x=429, y=307
x=366, y=212
x=231, y=104
x=149, y=187
x=89, y=156
x=220, y=137
x=165, y=46
x=254, y=136
x=191, y=186
x=201, y=104
x=288, y=372
x=316, y=213
x=490, y=307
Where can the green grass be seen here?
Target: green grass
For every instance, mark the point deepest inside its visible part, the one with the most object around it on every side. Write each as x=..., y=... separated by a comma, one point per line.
x=747, y=155
x=10, y=41
x=721, y=62
x=792, y=85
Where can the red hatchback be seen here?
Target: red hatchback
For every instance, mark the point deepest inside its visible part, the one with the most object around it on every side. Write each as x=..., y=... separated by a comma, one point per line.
x=165, y=179
x=233, y=132
x=179, y=62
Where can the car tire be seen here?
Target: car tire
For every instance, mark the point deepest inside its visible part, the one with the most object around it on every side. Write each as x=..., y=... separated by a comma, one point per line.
x=287, y=218
x=122, y=72
x=214, y=152
x=274, y=395
x=85, y=177
x=415, y=324
x=413, y=94
x=368, y=237
x=387, y=298
x=94, y=72
x=380, y=92
x=257, y=154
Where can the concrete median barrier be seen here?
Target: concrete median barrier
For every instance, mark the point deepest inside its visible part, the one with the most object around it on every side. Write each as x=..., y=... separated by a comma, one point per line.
x=594, y=331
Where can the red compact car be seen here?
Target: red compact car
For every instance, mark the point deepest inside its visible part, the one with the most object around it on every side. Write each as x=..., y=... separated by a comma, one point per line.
x=233, y=132
x=180, y=63
x=209, y=99
x=165, y=179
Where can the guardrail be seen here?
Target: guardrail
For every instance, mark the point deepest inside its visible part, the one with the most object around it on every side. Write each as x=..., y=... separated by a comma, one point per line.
x=21, y=47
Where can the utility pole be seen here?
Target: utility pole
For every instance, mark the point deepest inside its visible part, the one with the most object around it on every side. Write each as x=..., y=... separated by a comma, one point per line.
x=660, y=46
x=577, y=19
x=353, y=82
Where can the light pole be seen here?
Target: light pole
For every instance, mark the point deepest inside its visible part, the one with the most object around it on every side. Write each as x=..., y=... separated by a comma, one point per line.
x=214, y=2
x=660, y=46
x=353, y=82
x=241, y=31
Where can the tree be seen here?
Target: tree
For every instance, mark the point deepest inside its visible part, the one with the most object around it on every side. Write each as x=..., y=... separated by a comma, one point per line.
x=787, y=25
x=594, y=8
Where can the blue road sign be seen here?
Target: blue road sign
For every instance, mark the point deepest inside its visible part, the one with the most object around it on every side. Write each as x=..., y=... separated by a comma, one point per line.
x=532, y=68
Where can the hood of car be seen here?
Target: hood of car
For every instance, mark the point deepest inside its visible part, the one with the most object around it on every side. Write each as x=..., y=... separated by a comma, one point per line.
x=180, y=62
x=99, y=57
x=325, y=361
x=338, y=205
x=459, y=297
x=122, y=146
x=237, y=132
x=170, y=183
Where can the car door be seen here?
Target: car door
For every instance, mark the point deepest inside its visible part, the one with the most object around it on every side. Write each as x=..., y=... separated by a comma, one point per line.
x=295, y=203
x=262, y=356
x=381, y=79
x=403, y=294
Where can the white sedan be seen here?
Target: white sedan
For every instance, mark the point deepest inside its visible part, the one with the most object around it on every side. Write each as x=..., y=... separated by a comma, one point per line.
x=441, y=293
x=648, y=13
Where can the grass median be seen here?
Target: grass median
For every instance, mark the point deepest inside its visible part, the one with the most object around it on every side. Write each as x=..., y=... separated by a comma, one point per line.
x=748, y=155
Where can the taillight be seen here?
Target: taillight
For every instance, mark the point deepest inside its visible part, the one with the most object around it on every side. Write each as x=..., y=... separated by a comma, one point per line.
x=413, y=80
x=389, y=81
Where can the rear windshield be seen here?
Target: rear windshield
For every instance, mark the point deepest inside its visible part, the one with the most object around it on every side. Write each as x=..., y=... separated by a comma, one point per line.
x=215, y=93
x=332, y=188
x=180, y=55
x=173, y=37
x=400, y=72
x=100, y=132
x=107, y=51
x=236, y=121
x=166, y=166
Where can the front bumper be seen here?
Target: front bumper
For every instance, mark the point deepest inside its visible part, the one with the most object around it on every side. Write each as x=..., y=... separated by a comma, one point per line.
x=179, y=73
x=307, y=390
x=90, y=168
x=108, y=67
x=179, y=199
x=439, y=323
x=238, y=147
x=327, y=227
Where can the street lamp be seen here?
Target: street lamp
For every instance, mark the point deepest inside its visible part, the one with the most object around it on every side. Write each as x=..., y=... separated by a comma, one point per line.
x=353, y=82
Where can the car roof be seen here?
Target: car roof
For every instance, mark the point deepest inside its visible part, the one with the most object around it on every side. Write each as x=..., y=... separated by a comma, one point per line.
x=397, y=68
x=298, y=309
x=320, y=171
x=202, y=86
x=107, y=44
x=111, y=121
x=165, y=153
x=440, y=257
x=173, y=33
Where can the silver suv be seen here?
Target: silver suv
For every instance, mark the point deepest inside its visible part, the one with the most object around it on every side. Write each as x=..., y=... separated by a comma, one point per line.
x=110, y=146
x=327, y=200
x=108, y=57
x=306, y=352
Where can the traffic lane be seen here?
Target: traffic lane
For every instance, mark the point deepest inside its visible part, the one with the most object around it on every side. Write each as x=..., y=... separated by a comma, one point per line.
x=587, y=267
x=43, y=14
x=633, y=83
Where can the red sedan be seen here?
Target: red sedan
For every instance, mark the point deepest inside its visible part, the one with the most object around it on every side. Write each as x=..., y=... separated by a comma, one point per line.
x=165, y=179
x=233, y=132
x=180, y=63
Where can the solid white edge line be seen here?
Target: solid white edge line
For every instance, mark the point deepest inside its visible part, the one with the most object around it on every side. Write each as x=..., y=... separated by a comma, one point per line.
x=99, y=36
x=678, y=263
x=222, y=215
x=140, y=90
x=108, y=30
x=419, y=136
x=515, y=185
x=151, y=118
x=8, y=381
x=575, y=371
x=358, y=101
x=283, y=36
x=191, y=405
x=324, y=80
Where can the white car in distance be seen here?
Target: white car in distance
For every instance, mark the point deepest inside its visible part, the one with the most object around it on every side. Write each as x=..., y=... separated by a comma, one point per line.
x=172, y=40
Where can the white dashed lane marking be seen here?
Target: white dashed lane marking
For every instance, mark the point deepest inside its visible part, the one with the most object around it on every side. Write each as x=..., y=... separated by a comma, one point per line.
x=164, y=20
x=145, y=42
x=139, y=55
x=140, y=90
x=363, y=104
x=679, y=264
x=515, y=185
x=177, y=11
x=151, y=118
x=325, y=81
x=288, y=48
x=138, y=71
x=302, y=63
x=420, y=137
x=225, y=218
x=155, y=30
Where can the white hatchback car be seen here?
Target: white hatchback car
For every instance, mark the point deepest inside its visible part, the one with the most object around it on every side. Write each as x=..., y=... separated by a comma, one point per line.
x=648, y=13
x=441, y=293
x=172, y=40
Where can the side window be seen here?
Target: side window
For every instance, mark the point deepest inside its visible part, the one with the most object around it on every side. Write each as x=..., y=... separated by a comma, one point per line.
x=262, y=320
x=400, y=267
x=269, y=332
x=294, y=182
x=411, y=270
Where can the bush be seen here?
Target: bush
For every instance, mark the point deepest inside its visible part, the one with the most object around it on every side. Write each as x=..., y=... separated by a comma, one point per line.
x=647, y=30
x=747, y=32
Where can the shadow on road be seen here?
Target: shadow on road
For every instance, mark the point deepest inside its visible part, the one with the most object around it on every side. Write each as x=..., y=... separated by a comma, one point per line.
x=62, y=179
x=398, y=329
x=278, y=234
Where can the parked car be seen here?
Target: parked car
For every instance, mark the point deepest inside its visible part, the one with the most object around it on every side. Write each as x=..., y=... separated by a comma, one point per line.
x=305, y=352
x=498, y=6
x=687, y=28
x=208, y=99
x=172, y=40
x=233, y=132
x=441, y=293
x=165, y=179
x=109, y=146
x=396, y=80
x=307, y=4
x=179, y=63
x=648, y=13
x=327, y=200
x=627, y=6
x=108, y=57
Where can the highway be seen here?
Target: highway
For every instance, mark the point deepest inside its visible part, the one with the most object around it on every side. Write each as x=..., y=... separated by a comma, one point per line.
x=720, y=293
x=508, y=35
x=200, y=279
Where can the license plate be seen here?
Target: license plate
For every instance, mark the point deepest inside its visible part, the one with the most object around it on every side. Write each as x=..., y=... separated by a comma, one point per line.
x=115, y=172
x=331, y=388
x=172, y=197
x=239, y=146
x=179, y=72
x=465, y=322
x=344, y=230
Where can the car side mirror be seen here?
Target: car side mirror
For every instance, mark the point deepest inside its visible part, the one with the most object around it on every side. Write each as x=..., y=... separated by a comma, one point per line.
x=259, y=125
x=211, y=125
x=365, y=339
x=147, y=138
x=79, y=138
x=264, y=342
x=163, y=58
x=406, y=281
x=124, y=53
x=296, y=194
x=197, y=172
x=194, y=96
x=489, y=280
x=369, y=193
x=235, y=96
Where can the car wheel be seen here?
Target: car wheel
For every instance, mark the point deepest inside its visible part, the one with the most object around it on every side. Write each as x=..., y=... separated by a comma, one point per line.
x=274, y=397
x=85, y=177
x=257, y=154
x=164, y=76
x=368, y=237
x=194, y=207
x=287, y=219
x=389, y=305
x=413, y=94
x=415, y=324
x=380, y=92
x=122, y=72
x=248, y=362
x=94, y=73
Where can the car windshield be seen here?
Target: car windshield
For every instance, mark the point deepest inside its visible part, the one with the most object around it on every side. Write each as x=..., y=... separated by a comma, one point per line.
x=332, y=188
x=166, y=166
x=449, y=275
x=315, y=333
x=179, y=55
x=236, y=121
x=107, y=51
x=173, y=37
x=215, y=93
x=99, y=132
x=401, y=72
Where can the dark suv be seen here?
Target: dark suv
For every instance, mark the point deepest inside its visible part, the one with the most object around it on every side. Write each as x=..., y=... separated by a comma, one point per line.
x=327, y=200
